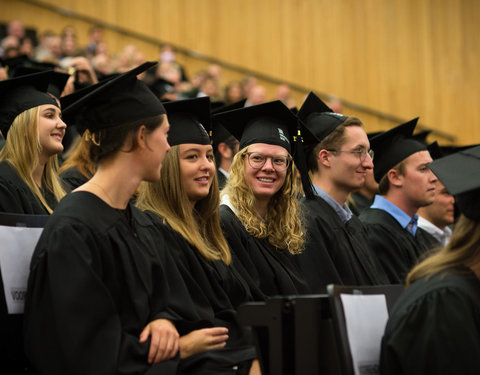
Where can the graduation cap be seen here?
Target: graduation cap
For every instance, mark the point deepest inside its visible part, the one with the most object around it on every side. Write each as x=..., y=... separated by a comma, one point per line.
x=57, y=83
x=272, y=123
x=220, y=134
x=22, y=93
x=161, y=86
x=318, y=118
x=71, y=117
x=116, y=102
x=17, y=62
x=189, y=120
x=435, y=150
x=460, y=173
x=422, y=136
x=393, y=146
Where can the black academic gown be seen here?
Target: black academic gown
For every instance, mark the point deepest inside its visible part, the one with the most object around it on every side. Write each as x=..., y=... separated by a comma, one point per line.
x=267, y=270
x=336, y=253
x=434, y=328
x=96, y=280
x=72, y=178
x=396, y=249
x=16, y=197
x=216, y=290
x=358, y=203
x=222, y=179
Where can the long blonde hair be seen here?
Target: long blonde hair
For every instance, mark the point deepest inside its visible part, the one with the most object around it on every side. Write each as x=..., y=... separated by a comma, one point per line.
x=283, y=223
x=462, y=250
x=22, y=149
x=80, y=158
x=168, y=199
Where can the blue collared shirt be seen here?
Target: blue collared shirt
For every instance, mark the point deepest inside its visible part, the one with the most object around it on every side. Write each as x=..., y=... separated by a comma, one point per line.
x=383, y=204
x=342, y=211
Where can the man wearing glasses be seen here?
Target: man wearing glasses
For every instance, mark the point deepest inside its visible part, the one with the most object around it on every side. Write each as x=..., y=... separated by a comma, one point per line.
x=405, y=183
x=338, y=158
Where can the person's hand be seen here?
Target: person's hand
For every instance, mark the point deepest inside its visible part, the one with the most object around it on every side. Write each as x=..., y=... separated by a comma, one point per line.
x=164, y=342
x=84, y=69
x=203, y=339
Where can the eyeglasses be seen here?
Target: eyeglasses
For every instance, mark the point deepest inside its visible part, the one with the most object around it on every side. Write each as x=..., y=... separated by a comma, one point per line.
x=257, y=160
x=362, y=154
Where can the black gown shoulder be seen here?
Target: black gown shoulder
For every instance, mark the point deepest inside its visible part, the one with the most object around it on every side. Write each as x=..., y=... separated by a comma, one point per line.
x=267, y=270
x=336, y=252
x=73, y=178
x=434, y=327
x=15, y=195
x=396, y=249
x=96, y=280
x=216, y=291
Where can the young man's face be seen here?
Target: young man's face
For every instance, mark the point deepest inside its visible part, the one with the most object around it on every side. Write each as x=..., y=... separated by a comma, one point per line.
x=418, y=181
x=349, y=169
x=441, y=211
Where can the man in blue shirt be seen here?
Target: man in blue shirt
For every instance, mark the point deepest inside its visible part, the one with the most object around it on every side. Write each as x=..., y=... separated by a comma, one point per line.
x=338, y=157
x=405, y=184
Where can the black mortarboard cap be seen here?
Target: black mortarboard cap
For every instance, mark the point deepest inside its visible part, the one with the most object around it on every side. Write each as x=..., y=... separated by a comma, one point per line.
x=17, y=62
x=161, y=87
x=460, y=173
x=272, y=123
x=190, y=121
x=71, y=117
x=318, y=118
x=435, y=150
x=220, y=134
x=116, y=102
x=22, y=93
x=422, y=136
x=57, y=83
x=393, y=146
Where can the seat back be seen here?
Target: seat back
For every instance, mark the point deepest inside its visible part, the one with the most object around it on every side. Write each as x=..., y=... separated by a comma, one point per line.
x=359, y=317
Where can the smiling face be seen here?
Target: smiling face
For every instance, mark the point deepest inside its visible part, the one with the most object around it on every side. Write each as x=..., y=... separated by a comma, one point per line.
x=348, y=170
x=197, y=170
x=266, y=181
x=51, y=130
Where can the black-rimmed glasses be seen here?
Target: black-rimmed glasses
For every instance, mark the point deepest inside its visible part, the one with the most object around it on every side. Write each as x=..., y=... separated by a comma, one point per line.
x=257, y=160
x=362, y=154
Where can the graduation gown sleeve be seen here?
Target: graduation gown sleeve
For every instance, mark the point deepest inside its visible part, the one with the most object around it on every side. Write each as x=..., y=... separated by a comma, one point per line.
x=395, y=248
x=434, y=329
x=336, y=252
x=93, y=287
x=15, y=196
x=267, y=270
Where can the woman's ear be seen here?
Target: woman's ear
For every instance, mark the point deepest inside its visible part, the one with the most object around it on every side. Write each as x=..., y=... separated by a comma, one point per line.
x=141, y=137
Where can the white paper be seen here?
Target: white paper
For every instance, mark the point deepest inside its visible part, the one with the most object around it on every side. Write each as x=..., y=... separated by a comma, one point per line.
x=16, y=249
x=366, y=317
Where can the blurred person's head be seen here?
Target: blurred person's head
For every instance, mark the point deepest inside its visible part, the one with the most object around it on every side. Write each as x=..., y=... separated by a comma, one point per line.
x=16, y=28
x=257, y=95
x=234, y=92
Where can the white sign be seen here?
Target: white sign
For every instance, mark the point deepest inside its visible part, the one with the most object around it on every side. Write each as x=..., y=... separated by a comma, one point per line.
x=16, y=249
x=366, y=317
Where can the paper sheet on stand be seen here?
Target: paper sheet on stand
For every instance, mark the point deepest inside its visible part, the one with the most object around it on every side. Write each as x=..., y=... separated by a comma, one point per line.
x=366, y=317
x=16, y=249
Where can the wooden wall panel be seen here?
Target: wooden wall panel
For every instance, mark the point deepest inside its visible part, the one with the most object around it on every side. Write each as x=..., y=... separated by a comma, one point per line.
x=402, y=57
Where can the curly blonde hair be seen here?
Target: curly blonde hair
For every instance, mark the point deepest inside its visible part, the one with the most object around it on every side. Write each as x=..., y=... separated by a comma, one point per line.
x=283, y=223
x=22, y=149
